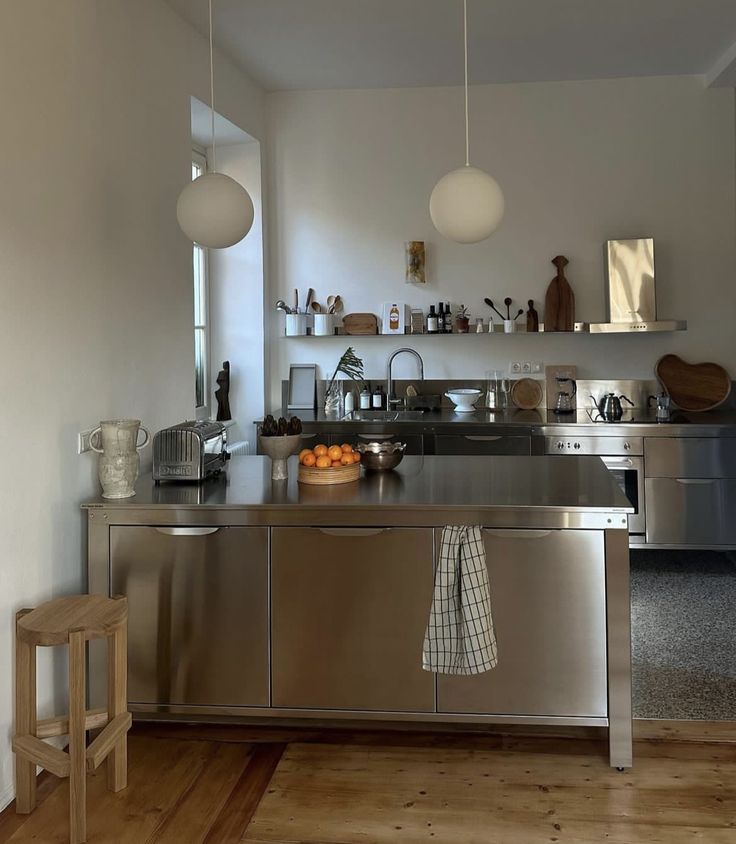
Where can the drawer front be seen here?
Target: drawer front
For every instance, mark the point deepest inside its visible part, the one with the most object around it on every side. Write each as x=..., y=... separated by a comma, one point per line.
x=548, y=596
x=481, y=444
x=686, y=511
x=197, y=613
x=707, y=457
x=349, y=610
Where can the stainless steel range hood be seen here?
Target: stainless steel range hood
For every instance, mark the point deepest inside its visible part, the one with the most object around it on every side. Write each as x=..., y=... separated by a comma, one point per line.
x=632, y=298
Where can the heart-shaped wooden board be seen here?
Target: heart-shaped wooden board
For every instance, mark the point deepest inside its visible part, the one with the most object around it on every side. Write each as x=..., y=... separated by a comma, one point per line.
x=693, y=386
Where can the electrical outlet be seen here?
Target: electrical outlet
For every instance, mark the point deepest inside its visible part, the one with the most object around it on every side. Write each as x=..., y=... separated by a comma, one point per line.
x=526, y=367
x=83, y=438
x=515, y=367
x=537, y=367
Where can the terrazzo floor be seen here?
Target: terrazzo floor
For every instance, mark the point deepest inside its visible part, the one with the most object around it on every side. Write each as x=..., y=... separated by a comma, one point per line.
x=683, y=606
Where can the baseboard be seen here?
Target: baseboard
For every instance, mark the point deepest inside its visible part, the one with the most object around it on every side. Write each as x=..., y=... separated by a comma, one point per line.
x=671, y=730
x=6, y=797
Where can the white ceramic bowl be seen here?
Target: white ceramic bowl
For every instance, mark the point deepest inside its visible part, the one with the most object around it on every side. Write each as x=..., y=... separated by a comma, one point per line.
x=464, y=399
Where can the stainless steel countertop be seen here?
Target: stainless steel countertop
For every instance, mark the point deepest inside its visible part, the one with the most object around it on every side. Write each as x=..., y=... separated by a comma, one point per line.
x=537, y=422
x=472, y=484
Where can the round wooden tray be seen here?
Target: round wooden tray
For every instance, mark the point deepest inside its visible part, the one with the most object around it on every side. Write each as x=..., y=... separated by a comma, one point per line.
x=693, y=387
x=526, y=393
x=323, y=477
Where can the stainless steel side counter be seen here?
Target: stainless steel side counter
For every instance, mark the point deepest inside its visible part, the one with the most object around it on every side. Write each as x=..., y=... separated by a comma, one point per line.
x=251, y=598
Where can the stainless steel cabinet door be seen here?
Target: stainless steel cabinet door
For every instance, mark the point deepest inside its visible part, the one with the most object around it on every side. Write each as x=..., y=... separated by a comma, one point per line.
x=690, y=457
x=686, y=511
x=349, y=610
x=548, y=595
x=481, y=444
x=198, y=604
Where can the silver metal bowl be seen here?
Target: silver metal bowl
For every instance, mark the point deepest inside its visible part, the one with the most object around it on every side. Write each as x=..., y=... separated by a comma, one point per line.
x=381, y=456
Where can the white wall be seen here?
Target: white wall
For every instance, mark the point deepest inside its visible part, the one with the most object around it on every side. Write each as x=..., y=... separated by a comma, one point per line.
x=580, y=162
x=237, y=299
x=96, y=302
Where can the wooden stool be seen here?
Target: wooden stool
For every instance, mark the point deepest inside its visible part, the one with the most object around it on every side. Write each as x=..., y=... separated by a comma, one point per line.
x=72, y=621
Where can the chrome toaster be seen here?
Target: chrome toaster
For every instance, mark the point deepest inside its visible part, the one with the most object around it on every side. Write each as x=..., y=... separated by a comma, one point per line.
x=190, y=451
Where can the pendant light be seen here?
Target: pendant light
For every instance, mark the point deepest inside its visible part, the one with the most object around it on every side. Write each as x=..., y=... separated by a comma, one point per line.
x=467, y=204
x=214, y=210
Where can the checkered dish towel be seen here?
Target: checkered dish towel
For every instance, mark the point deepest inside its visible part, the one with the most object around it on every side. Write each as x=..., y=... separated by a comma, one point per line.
x=460, y=637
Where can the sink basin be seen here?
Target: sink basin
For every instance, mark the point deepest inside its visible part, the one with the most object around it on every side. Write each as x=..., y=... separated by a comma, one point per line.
x=382, y=415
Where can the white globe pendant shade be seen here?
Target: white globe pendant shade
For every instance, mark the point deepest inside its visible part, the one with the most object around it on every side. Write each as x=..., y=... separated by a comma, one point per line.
x=467, y=205
x=215, y=211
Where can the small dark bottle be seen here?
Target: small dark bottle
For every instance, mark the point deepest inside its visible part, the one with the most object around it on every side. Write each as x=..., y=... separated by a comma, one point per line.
x=441, y=316
x=432, y=321
x=379, y=398
x=448, y=319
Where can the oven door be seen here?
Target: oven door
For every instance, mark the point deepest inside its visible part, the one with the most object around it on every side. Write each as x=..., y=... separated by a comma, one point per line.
x=629, y=474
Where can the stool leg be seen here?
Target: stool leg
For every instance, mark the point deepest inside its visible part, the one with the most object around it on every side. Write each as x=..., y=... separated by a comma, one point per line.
x=117, y=704
x=25, y=721
x=77, y=739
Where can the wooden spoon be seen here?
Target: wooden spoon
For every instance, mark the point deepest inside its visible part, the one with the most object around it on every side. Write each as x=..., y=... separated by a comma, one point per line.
x=491, y=305
x=316, y=307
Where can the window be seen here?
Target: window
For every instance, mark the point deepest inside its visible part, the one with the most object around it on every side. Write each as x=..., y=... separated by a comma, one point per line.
x=201, y=291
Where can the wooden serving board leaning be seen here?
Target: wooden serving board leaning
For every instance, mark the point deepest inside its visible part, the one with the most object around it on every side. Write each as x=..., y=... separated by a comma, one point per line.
x=693, y=387
x=559, y=303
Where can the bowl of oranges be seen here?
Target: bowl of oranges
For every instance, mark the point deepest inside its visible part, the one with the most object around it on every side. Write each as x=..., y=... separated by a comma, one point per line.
x=335, y=464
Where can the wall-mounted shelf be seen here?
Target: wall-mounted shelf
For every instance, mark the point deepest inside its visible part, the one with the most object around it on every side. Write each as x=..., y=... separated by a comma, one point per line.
x=602, y=328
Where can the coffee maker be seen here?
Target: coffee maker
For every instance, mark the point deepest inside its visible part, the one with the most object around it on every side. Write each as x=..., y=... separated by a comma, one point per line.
x=567, y=389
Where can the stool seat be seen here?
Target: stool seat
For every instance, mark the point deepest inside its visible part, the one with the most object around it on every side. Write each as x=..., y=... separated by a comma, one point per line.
x=94, y=615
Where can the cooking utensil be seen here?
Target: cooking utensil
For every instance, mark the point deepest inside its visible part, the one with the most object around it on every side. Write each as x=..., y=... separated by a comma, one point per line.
x=520, y=312
x=282, y=306
x=559, y=302
x=337, y=306
x=610, y=407
x=526, y=393
x=491, y=305
x=296, y=301
x=532, y=319
x=381, y=456
x=464, y=399
x=507, y=301
x=565, y=401
x=310, y=296
x=316, y=307
x=693, y=386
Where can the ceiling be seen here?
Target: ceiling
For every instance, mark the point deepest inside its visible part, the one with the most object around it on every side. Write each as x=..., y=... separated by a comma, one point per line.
x=313, y=44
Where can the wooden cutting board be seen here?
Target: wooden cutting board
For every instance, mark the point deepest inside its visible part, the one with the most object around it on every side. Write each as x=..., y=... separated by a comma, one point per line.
x=360, y=324
x=526, y=393
x=559, y=303
x=693, y=386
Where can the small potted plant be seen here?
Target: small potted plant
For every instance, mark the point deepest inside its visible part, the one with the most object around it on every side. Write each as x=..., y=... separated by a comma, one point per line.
x=462, y=320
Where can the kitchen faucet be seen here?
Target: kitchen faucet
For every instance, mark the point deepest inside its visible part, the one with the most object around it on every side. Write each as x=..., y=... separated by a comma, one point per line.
x=390, y=398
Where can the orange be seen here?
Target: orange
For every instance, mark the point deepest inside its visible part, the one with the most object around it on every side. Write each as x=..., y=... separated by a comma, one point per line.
x=320, y=450
x=347, y=459
x=303, y=453
x=336, y=464
x=347, y=448
x=323, y=462
x=309, y=459
x=335, y=452
x=356, y=457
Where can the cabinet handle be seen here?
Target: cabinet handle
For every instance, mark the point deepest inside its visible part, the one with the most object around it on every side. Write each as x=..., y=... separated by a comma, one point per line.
x=482, y=439
x=353, y=531
x=187, y=531
x=371, y=437
x=518, y=534
x=696, y=480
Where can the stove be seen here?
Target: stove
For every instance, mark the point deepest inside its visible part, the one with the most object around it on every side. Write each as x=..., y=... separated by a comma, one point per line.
x=636, y=416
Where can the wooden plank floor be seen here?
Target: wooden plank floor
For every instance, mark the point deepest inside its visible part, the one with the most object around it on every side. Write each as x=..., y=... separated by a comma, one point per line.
x=216, y=785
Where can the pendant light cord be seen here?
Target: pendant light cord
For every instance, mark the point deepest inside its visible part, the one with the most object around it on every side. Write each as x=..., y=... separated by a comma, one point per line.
x=212, y=94
x=467, y=121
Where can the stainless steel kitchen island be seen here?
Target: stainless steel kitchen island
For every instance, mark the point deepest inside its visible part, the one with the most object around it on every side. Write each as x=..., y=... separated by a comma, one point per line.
x=251, y=598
